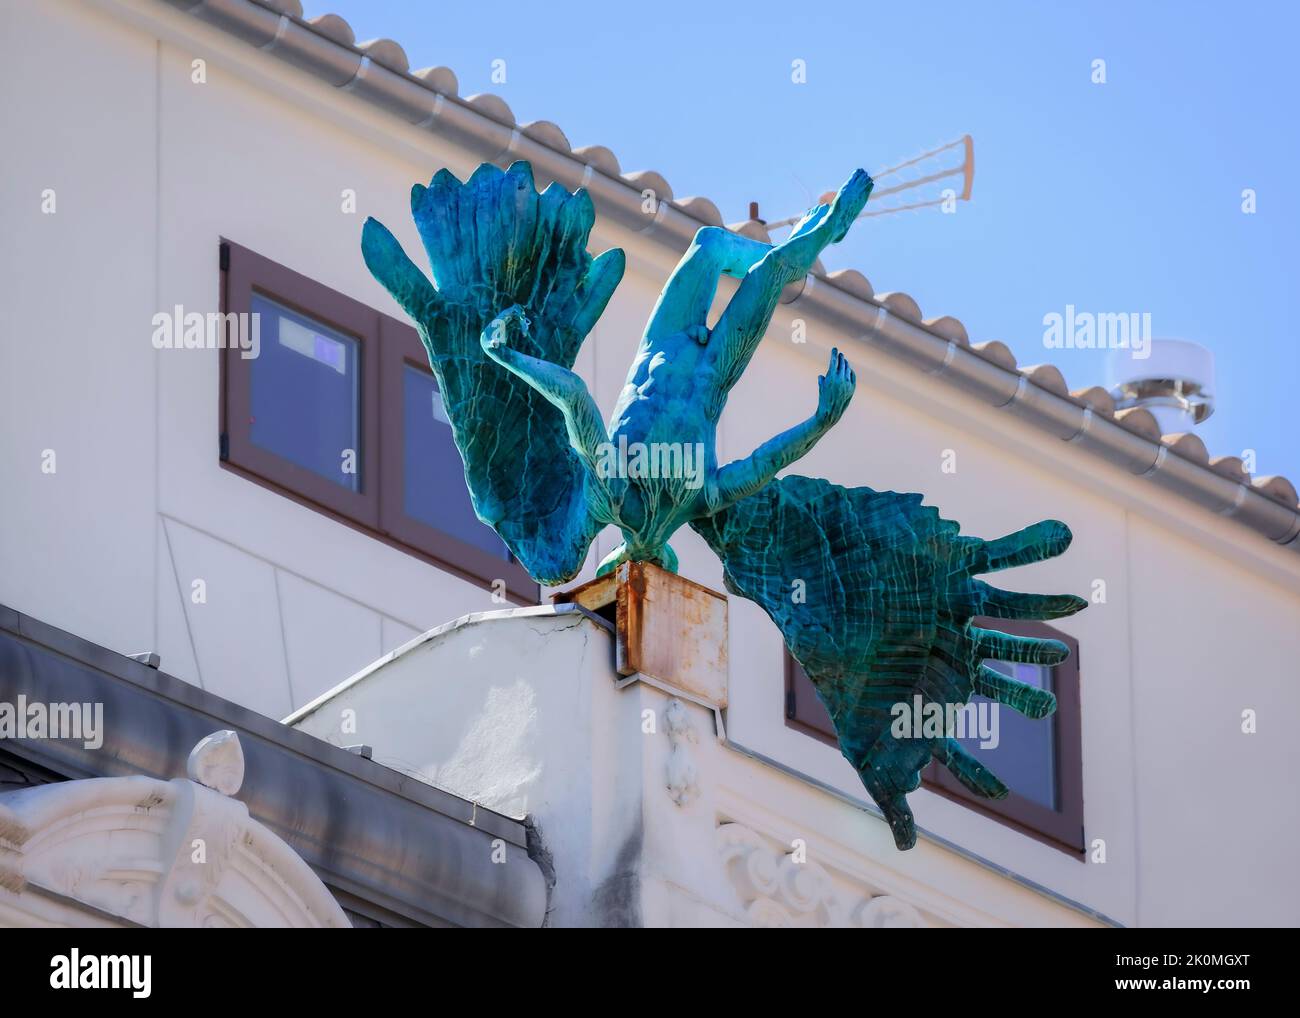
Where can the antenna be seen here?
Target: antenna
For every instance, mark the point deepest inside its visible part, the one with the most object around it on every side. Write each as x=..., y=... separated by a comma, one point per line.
x=913, y=174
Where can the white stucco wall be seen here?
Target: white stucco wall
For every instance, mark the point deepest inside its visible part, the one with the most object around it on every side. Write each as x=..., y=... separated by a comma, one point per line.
x=524, y=714
x=151, y=169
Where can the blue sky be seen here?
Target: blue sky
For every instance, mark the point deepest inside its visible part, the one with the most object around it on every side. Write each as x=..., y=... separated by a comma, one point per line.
x=1118, y=197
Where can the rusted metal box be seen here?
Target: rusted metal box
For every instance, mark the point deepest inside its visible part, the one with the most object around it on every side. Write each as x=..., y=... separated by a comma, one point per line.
x=668, y=627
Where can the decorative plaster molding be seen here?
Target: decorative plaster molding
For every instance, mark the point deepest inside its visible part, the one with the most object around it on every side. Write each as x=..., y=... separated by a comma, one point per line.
x=155, y=853
x=217, y=762
x=777, y=890
x=683, y=775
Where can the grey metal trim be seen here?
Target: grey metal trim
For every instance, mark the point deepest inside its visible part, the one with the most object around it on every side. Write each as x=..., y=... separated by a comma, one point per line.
x=409, y=98
x=372, y=832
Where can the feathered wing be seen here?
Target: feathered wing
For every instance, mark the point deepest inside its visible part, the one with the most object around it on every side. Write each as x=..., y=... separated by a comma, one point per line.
x=494, y=242
x=883, y=615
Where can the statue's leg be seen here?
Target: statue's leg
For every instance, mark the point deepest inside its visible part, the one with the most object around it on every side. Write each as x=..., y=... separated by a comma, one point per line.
x=667, y=560
x=558, y=384
x=741, y=327
x=686, y=298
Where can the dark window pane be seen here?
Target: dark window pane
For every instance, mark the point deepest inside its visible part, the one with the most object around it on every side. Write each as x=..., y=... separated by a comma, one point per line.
x=434, y=474
x=1025, y=756
x=305, y=394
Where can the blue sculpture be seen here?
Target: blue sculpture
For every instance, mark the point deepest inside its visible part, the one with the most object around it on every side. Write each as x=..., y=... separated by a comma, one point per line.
x=888, y=584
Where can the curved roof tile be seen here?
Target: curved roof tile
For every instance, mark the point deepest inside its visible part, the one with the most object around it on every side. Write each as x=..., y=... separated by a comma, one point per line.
x=600, y=158
x=1097, y=398
x=1140, y=421
x=334, y=27
x=386, y=52
x=548, y=134
x=1230, y=467
x=649, y=180
x=901, y=304
x=1048, y=376
x=699, y=207
x=1277, y=488
x=1188, y=446
x=440, y=79
x=949, y=328
x=854, y=282
x=492, y=106
x=998, y=352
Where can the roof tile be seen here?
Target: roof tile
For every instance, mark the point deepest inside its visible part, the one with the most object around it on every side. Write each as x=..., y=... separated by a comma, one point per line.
x=949, y=328
x=901, y=304
x=1140, y=421
x=1047, y=376
x=334, y=27
x=386, y=52
x=600, y=158
x=440, y=79
x=649, y=180
x=548, y=134
x=1097, y=398
x=998, y=352
x=1230, y=467
x=1277, y=488
x=492, y=106
x=854, y=282
x=293, y=8
x=700, y=208
x=1188, y=446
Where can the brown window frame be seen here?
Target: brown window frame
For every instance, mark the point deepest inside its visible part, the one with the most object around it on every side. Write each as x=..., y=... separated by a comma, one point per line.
x=250, y=273
x=1061, y=828
x=401, y=347
x=385, y=346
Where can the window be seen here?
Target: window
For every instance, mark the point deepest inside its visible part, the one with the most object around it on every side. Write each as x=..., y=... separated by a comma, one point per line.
x=1039, y=761
x=333, y=404
x=301, y=404
x=305, y=394
x=425, y=502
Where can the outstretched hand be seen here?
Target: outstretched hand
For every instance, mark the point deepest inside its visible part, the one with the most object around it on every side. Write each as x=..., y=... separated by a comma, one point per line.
x=835, y=389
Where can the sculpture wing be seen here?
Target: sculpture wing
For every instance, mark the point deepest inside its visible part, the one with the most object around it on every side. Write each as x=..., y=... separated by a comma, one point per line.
x=874, y=594
x=494, y=242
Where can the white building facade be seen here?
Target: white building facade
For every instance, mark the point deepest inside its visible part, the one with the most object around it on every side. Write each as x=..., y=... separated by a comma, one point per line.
x=151, y=133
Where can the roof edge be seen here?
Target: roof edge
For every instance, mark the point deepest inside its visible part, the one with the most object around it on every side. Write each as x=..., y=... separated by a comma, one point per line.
x=274, y=27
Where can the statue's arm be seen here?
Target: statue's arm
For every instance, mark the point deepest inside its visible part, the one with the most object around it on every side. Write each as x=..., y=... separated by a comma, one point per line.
x=745, y=477
x=561, y=387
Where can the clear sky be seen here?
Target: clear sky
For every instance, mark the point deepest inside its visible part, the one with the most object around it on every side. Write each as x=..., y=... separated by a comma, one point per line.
x=1116, y=197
